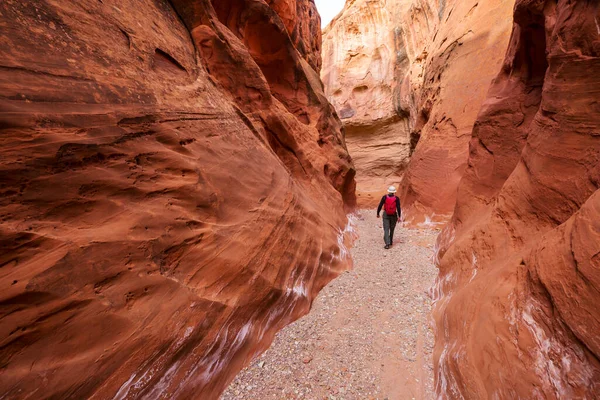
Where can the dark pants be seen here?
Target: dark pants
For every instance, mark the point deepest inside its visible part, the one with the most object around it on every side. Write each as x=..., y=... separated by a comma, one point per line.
x=389, y=224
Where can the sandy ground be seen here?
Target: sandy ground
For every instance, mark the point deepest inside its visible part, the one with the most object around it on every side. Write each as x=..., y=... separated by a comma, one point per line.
x=368, y=335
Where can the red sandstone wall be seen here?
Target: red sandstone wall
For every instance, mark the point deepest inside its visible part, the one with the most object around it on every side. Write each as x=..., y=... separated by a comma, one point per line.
x=360, y=60
x=458, y=48
x=517, y=299
x=173, y=190
x=408, y=79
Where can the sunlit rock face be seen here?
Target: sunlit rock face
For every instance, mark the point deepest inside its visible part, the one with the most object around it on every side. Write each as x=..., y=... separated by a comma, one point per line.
x=407, y=79
x=443, y=92
x=174, y=190
x=360, y=64
x=517, y=299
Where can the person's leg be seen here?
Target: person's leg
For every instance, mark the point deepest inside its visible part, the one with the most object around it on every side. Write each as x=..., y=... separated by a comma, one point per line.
x=386, y=229
x=393, y=221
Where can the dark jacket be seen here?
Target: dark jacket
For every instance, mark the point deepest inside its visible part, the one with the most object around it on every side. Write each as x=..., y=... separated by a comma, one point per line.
x=382, y=202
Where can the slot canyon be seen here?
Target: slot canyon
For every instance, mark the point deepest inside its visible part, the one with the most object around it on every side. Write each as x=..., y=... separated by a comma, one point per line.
x=188, y=193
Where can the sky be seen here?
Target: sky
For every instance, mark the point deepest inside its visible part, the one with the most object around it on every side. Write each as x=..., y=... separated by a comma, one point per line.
x=329, y=9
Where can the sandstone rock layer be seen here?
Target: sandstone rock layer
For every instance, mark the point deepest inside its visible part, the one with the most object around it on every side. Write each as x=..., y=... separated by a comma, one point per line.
x=517, y=312
x=173, y=191
x=408, y=79
x=443, y=93
x=359, y=67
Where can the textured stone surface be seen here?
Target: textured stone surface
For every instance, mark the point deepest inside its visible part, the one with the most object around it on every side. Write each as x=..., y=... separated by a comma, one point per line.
x=173, y=186
x=517, y=299
x=443, y=92
x=303, y=24
x=359, y=67
x=408, y=79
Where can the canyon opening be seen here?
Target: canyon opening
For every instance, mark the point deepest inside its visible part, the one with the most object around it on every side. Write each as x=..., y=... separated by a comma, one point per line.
x=195, y=194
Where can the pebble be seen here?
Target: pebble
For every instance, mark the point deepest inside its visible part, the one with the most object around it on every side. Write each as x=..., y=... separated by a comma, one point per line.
x=360, y=340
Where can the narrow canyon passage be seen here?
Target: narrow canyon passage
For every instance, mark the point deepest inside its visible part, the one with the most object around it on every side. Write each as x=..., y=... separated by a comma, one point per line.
x=175, y=179
x=368, y=334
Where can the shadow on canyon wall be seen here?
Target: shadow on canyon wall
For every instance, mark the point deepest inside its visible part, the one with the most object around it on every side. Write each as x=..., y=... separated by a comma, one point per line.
x=516, y=312
x=174, y=190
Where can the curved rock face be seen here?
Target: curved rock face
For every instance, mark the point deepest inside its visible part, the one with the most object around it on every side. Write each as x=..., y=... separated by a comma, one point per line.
x=359, y=66
x=174, y=186
x=443, y=92
x=517, y=312
x=407, y=79
x=303, y=24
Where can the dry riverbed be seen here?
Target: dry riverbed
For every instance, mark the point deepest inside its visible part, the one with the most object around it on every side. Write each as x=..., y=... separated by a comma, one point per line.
x=368, y=335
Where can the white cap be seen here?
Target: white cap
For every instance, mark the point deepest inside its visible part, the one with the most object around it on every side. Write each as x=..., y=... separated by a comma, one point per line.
x=392, y=189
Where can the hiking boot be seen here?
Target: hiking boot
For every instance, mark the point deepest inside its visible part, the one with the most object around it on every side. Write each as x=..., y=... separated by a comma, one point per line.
x=387, y=246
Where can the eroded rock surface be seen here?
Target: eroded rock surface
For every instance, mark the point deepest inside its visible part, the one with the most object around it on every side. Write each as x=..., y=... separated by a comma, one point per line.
x=443, y=91
x=173, y=188
x=408, y=79
x=517, y=299
x=360, y=64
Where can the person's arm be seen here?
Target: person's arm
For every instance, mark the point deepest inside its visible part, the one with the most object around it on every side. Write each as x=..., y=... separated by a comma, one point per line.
x=398, y=206
x=380, y=205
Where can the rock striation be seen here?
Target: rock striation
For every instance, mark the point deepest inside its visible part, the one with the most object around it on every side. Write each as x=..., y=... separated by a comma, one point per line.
x=408, y=79
x=516, y=313
x=456, y=49
x=360, y=64
x=173, y=191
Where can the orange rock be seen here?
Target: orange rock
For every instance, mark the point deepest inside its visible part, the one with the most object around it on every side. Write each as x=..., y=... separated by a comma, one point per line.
x=174, y=186
x=516, y=313
x=360, y=69
x=407, y=79
x=443, y=91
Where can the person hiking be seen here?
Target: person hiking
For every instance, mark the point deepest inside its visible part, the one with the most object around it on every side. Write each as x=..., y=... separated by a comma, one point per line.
x=391, y=211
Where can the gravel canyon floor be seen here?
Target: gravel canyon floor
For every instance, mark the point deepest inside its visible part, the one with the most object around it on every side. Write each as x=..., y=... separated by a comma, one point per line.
x=368, y=335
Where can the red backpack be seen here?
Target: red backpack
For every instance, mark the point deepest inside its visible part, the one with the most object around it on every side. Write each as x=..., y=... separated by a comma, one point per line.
x=390, y=205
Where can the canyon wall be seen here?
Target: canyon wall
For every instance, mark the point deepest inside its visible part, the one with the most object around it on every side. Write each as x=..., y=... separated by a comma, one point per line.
x=459, y=47
x=359, y=66
x=408, y=79
x=174, y=186
x=516, y=309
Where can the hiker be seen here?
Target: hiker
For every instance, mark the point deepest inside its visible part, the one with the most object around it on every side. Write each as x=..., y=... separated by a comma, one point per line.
x=391, y=211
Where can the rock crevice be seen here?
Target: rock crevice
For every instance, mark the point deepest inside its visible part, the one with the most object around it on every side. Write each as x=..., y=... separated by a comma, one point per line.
x=402, y=72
